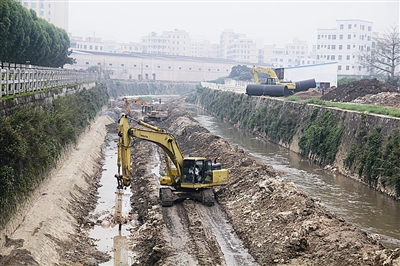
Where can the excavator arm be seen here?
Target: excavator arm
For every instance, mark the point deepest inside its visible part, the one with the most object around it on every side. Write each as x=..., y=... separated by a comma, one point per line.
x=264, y=70
x=156, y=135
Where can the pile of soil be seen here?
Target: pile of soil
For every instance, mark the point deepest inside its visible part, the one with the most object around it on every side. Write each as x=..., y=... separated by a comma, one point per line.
x=357, y=89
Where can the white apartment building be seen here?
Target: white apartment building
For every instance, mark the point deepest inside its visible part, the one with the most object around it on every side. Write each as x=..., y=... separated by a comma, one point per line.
x=200, y=47
x=294, y=54
x=242, y=50
x=176, y=42
x=89, y=44
x=344, y=45
x=55, y=12
x=237, y=47
x=297, y=48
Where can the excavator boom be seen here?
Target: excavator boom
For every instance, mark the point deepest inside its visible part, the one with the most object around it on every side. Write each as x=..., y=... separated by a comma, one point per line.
x=186, y=182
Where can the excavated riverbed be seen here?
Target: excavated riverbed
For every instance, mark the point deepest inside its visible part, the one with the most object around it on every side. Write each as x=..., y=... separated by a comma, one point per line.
x=259, y=218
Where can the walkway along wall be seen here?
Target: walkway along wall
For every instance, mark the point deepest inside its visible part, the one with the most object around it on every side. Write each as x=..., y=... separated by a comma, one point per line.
x=365, y=147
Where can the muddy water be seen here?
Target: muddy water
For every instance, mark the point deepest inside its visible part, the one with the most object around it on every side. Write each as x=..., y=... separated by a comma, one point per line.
x=355, y=202
x=109, y=238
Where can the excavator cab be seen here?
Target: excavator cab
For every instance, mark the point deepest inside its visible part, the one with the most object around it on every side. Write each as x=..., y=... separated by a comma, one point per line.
x=197, y=171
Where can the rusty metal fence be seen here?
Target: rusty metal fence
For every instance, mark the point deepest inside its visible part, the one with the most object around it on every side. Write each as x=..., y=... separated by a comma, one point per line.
x=19, y=79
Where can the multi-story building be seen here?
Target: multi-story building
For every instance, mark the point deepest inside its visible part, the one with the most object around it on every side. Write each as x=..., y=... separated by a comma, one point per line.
x=200, y=47
x=238, y=47
x=344, y=44
x=176, y=42
x=55, y=12
x=294, y=54
x=297, y=48
x=89, y=44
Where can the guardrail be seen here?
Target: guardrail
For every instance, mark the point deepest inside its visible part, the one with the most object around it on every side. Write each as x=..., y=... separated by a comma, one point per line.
x=27, y=78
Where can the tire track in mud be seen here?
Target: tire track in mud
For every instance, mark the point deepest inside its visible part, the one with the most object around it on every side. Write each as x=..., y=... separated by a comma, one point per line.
x=188, y=233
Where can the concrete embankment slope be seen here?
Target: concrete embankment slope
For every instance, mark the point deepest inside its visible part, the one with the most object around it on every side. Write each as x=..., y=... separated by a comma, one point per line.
x=360, y=145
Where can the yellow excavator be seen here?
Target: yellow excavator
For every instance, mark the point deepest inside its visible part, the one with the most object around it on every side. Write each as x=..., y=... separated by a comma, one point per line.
x=272, y=79
x=191, y=177
x=149, y=114
x=146, y=107
x=275, y=86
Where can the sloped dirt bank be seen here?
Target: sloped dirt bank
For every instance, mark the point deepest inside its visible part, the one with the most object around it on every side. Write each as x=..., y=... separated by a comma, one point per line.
x=53, y=231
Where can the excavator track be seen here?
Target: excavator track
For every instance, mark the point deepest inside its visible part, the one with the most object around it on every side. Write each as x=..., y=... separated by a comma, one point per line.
x=207, y=197
x=166, y=197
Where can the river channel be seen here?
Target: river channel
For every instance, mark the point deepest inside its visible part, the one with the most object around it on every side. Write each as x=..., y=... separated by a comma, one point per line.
x=356, y=203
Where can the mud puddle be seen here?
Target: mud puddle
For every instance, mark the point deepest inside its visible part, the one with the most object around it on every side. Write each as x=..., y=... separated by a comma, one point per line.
x=108, y=238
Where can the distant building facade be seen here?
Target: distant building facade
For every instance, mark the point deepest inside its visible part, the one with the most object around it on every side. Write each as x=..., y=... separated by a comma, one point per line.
x=145, y=66
x=344, y=45
x=236, y=46
x=55, y=12
x=293, y=54
x=176, y=42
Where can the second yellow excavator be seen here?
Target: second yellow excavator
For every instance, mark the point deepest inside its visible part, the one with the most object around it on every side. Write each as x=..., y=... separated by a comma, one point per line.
x=148, y=112
x=191, y=177
x=272, y=79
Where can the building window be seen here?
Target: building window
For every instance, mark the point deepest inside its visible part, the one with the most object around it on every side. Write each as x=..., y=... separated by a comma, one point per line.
x=348, y=46
x=349, y=26
x=340, y=47
x=341, y=36
x=110, y=64
x=332, y=57
x=347, y=68
x=333, y=47
x=87, y=63
x=341, y=26
x=349, y=36
x=334, y=37
x=158, y=66
x=347, y=57
x=339, y=57
x=339, y=68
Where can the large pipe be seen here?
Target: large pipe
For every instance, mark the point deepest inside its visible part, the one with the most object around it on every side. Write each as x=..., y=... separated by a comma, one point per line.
x=304, y=85
x=267, y=90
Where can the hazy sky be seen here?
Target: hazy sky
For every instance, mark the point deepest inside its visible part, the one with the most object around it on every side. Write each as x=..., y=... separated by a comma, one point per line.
x=274, y=22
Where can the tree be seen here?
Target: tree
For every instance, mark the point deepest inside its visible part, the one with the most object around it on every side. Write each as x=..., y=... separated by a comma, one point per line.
x=241, y=72
x=384, y=56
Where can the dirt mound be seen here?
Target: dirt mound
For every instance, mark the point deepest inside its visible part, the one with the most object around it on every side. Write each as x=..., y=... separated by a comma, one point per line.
x=389, y=99
x=356, y=89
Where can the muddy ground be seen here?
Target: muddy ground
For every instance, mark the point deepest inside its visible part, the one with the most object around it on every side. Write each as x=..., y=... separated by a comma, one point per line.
x=269, y=219
x=365, y=91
